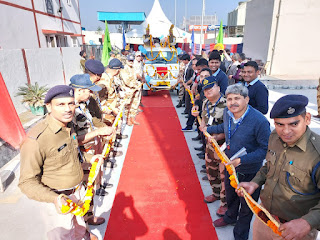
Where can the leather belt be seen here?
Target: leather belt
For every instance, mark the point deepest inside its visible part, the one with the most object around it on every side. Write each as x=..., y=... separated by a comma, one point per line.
x=66, y=192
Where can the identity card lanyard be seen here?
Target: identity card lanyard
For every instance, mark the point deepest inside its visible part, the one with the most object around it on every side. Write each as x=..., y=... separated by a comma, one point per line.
x=214, y=107
x=235, y=129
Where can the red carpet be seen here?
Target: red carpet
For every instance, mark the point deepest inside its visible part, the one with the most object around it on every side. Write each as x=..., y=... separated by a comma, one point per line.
x=159, y=195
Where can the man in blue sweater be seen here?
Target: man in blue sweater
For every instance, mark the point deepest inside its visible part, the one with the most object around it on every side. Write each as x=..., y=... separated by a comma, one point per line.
x=248, y=130
x=258, y=92
x=214, y=65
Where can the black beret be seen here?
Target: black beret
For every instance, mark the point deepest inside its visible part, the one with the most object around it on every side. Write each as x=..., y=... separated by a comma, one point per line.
x=59, y=91
x=289, y=106
x=209, y=82
x=115, y=64
x=94, y=66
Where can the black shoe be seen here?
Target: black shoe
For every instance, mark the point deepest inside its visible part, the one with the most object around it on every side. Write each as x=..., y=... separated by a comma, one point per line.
x=117, y=144
x=184, y=113
x=204, y=166
x=203, y=171
x=122, y=136
x=197, y=138
x=101, y=192
x=199, y=149
x=109, y=164
x=200, y=155
x=179, y=104
x=205, y=178
x=106, y=185
x=186, y=116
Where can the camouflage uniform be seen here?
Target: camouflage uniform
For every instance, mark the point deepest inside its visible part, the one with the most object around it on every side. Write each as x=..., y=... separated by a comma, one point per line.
x=182, y=68
x=130, y=83
x=110, y=98
x=83, y=122
x=214, y=167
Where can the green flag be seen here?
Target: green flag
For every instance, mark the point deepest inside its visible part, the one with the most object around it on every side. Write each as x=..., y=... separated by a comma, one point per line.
x=106, y=47
x=220, y=34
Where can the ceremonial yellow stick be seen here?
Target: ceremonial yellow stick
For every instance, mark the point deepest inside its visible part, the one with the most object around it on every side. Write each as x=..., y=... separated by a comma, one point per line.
x=261, y=213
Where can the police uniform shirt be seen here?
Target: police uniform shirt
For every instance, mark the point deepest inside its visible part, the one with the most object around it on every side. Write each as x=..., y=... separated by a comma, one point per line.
x=49, y=160
x=129, y=77
x=294, y=163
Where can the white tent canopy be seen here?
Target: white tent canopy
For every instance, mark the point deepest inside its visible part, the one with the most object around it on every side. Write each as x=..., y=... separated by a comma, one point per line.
x=159, y=25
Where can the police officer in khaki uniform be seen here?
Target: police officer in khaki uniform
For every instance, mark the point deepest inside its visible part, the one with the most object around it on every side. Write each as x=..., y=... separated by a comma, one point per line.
x=132, y=87
x=291, y=175
x=50, y=166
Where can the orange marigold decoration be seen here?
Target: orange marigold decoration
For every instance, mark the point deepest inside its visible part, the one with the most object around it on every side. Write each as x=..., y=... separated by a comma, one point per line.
x=82, y=207
x=261, y=213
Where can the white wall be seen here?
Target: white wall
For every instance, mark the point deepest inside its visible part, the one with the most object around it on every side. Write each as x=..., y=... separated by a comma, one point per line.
x=14, y=74
x=14, y=33
x=18, y=28
x=257, y=28
x=297, y=55
x=238, y=16
x=45, y=65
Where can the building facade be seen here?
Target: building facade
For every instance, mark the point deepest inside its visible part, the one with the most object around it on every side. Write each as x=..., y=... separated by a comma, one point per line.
x=34, y=24
x=236, y=20
x=270, y=35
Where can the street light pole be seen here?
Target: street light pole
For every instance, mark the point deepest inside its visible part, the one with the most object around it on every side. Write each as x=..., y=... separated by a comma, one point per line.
x=203, y=13
x=185, y=15
x=175, y=12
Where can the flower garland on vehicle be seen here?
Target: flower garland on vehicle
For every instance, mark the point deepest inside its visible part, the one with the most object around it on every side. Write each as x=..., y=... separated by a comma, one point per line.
x=261, y=213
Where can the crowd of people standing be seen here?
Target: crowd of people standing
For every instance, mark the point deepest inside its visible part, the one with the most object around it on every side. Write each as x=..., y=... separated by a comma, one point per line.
x=232, y=103
x=84, y=123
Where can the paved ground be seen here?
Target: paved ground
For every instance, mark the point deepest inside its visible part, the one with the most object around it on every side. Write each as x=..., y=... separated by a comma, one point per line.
x=19, y=218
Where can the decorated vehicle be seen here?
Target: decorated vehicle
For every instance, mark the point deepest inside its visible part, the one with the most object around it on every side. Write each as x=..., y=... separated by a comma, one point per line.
x=161, y=67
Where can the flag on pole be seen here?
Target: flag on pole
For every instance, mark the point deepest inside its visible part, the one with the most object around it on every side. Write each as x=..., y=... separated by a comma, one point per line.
x=12, y=131
x=106, y=47
x=220, y=34
x=123, y=38
x=192, y=41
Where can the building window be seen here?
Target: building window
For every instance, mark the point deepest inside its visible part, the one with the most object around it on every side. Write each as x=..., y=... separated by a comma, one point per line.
x=61, y=41
x=49, y=6
x=51, y=43
x=74, y=42
x=69, y=2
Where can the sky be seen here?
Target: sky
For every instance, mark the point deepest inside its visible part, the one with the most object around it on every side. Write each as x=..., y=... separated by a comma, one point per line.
x=89, y=8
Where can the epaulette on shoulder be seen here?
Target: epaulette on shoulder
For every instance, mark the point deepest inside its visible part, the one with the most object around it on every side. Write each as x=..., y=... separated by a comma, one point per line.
x=37, y=130
x=315, y=139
